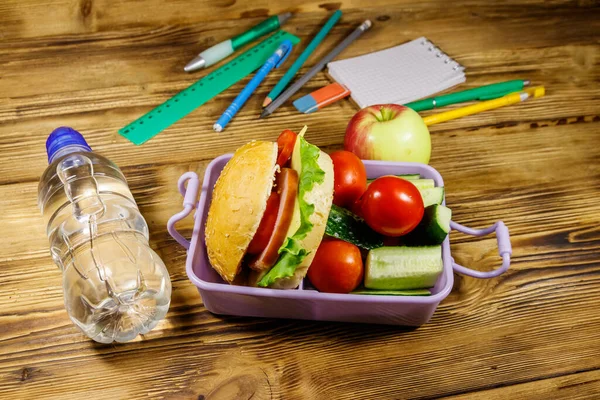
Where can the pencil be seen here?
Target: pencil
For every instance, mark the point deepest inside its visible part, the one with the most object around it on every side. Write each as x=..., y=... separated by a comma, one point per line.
x=281, y=85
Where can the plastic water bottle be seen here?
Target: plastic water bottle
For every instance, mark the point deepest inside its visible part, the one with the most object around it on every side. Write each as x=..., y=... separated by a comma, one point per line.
x=115, y=286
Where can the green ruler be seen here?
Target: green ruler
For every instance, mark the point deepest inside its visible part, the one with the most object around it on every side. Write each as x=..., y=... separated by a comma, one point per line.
x=186, y=101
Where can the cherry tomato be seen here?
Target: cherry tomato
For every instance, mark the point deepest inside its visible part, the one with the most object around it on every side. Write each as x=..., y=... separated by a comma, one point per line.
x=285, y=146
x=392, y=206
x=266, y=226
x=349, y=178
x=337, y=267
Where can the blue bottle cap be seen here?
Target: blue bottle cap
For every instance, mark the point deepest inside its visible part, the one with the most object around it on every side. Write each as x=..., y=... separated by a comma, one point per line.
x=64, y=136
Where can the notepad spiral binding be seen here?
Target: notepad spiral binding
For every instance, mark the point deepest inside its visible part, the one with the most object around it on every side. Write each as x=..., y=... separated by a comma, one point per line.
x=439, y=54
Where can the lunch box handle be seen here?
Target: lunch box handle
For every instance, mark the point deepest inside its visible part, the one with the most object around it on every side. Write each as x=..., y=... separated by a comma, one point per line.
x=504, y=248
x=190, y=196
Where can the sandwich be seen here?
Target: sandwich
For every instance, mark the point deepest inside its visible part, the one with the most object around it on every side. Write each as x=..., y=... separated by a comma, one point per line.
x=269, y=211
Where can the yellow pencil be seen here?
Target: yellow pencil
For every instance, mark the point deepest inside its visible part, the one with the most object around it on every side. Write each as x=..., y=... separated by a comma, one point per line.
x=509, y=99
x=537, y=91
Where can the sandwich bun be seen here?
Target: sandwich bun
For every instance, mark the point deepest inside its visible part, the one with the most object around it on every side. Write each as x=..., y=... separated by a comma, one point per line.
x=239, y=200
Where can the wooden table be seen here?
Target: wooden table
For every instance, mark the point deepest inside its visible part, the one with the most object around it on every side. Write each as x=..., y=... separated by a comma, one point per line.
x=531, y=333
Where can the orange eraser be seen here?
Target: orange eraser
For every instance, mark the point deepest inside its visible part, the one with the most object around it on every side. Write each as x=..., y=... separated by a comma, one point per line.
x=321, y=98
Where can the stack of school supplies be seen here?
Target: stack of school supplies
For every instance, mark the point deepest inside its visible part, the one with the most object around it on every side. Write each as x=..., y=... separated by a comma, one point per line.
x=401, y=75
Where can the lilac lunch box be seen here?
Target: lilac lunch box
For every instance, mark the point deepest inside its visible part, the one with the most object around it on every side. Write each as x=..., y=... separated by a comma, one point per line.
x=305, y=302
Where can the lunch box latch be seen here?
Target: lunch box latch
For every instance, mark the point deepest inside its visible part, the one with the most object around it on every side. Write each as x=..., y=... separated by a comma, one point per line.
x=504, y=249
x=190, y=196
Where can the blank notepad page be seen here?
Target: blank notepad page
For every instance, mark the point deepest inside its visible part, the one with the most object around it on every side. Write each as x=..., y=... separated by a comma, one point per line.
x=399, y=75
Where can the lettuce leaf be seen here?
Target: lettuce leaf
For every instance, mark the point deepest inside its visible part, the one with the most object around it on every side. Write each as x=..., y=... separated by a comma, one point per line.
x=291, y=251
x=292, y=256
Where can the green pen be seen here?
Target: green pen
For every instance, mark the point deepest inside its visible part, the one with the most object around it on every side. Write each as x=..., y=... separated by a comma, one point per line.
x=224, y=49
x=487, y=92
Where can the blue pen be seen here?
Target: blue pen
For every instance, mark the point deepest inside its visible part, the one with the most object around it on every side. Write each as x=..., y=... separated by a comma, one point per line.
x=275, y=60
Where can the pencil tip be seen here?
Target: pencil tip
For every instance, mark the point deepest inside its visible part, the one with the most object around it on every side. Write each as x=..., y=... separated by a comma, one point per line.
x=526, y=82
x=263, y=114
x=267, y=102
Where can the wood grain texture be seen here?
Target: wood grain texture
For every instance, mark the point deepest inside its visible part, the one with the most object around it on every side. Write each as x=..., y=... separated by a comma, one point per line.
x=531, y=333
x=575, y=386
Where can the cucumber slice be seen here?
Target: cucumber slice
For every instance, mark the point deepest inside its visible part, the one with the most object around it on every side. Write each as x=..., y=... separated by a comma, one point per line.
x=432, y=196
x=399, y=268
x=410, y=177
x=418, y=182
x=433, y=228
x=344, y=225
x=413, y=292
x=422, y=184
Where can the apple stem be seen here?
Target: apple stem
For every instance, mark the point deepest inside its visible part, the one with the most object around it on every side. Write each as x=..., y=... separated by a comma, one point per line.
x=384, y=115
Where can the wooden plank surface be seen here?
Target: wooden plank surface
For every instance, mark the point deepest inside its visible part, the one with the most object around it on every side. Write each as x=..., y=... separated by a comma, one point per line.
x=98, y=64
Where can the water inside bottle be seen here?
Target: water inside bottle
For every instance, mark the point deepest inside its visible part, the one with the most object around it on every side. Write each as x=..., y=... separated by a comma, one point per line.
x=115, y=287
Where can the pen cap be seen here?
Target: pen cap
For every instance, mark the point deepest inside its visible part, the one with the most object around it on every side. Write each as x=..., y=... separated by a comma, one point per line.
x=286, y=46
x=268, y=25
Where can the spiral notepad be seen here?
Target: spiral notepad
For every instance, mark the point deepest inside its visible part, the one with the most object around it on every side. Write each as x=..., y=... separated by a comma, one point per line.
x=399, y=75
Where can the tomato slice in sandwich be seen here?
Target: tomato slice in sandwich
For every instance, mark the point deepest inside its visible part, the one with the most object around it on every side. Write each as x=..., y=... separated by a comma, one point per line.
x=286, y=187
x=285, y=146
x=267, y=224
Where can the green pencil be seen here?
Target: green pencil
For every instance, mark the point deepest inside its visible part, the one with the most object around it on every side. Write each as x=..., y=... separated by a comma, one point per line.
x=281, y=85
x=486, y=92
